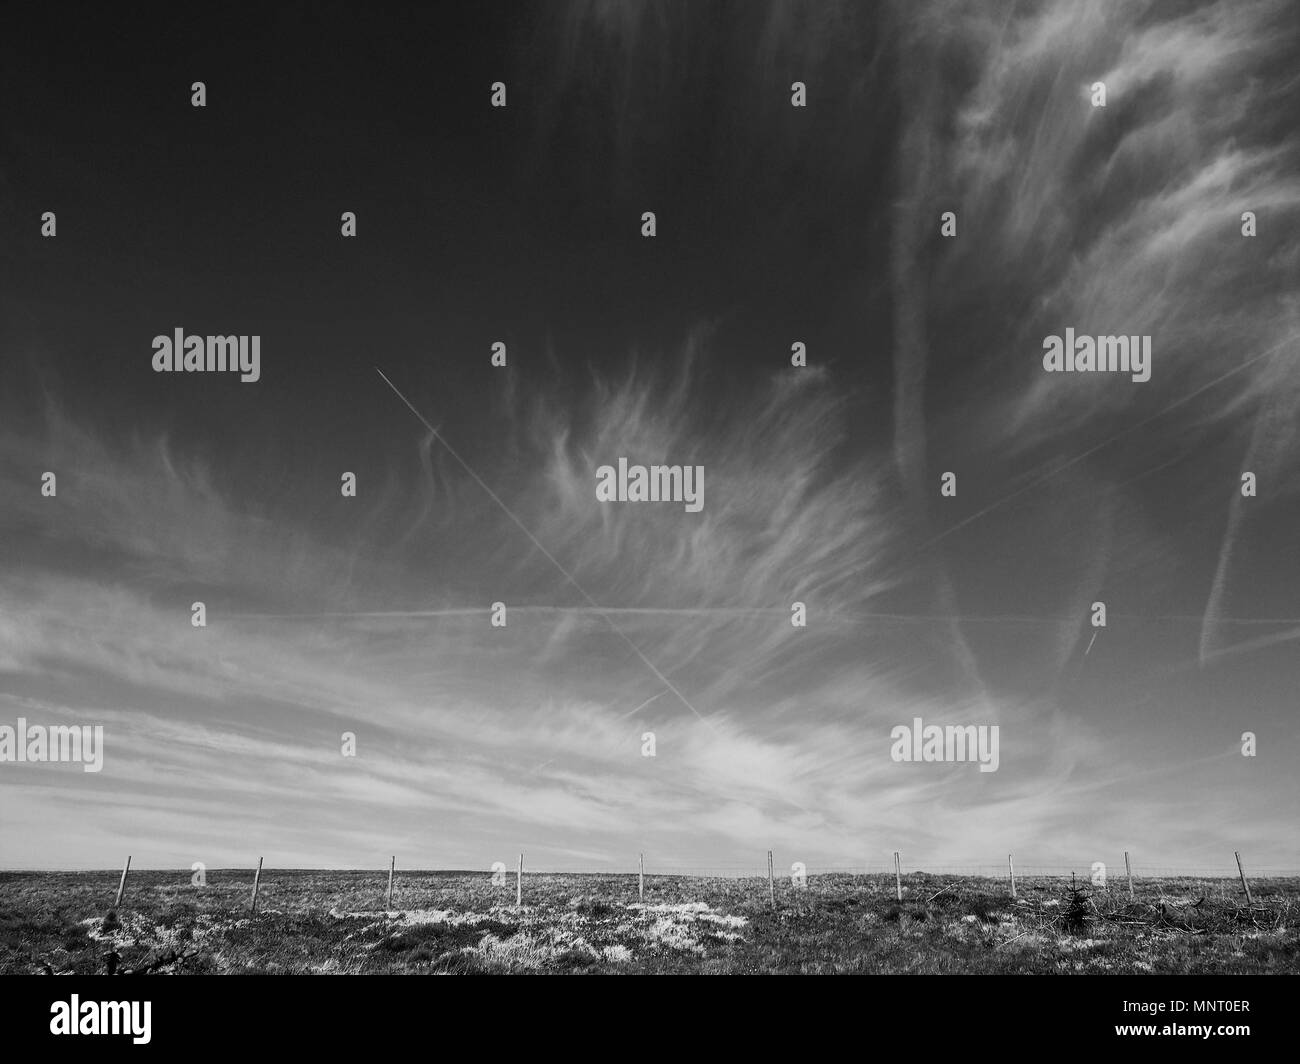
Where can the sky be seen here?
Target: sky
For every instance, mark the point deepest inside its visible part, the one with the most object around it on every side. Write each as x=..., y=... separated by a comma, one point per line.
x=476, y=484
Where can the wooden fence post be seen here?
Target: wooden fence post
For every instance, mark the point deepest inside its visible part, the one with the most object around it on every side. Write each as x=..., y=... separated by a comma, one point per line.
x=640, y=890
x=257, y=879
x=1128, y=871
x=519, y=883
x=1244, y=884
x=771, y=883
x=391, y=865
x=121, y=884
x=1012, y=869
x=898, y=876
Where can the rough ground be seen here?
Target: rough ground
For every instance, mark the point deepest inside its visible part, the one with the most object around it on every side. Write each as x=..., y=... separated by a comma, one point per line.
x=453, y=922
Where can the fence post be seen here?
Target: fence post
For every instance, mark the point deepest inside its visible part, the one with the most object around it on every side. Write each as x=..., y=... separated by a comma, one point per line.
x=771, y=883
x=391, y=865
x=121, y=885
x=640, y=890
x=519, y=883
x=1244, y=884
x=1012, y=869
x=1128, y=871
x=257, y=879
x=898, y=876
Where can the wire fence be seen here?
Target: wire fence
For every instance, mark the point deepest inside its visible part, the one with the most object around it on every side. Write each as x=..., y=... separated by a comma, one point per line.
x=1083, y=870
x=646, y=879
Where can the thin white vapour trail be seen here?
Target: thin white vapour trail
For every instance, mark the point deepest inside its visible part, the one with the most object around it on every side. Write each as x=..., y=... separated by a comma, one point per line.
x=642, y=706
x=911, y=349
x=1104, y=444
x=550, y=557
x=903, y=618
x=471, y=611
x=1010, y=618
x=1258, y=643
x=538, y=768
x=1266, y=421
x=629, y=713
x=1245, y=647
x=1219, y=584
x=477, y=611
x=1108, y=782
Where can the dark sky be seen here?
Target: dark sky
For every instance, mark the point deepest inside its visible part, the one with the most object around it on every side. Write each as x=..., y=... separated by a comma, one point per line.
x=475, y=224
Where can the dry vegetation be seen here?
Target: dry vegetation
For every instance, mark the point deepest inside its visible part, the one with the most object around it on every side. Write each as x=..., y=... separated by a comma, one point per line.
x=450, y=922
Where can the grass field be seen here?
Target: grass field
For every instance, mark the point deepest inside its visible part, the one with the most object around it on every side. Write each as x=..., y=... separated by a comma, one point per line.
x=453, y=922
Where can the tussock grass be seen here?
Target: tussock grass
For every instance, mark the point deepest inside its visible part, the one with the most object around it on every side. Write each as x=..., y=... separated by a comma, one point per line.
x=459, y=923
